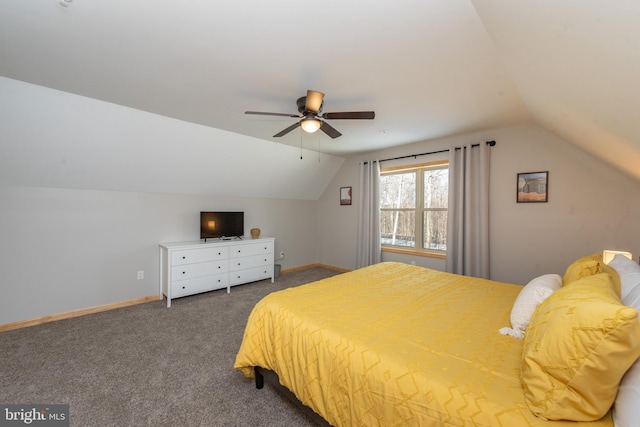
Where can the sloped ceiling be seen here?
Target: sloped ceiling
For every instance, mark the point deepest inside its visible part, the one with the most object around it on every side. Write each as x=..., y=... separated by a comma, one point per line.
x=429, y=68
x=56, y=139
x=576, y=64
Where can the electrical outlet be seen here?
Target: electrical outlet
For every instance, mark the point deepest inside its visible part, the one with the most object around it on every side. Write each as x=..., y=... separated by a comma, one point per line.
x=140, y=275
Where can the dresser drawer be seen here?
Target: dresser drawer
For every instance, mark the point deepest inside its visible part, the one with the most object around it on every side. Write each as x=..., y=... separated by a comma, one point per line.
x=250, y=275
x=199, y=284
x=250, y=262
x=189, y=271
x=251, y=249
x=190, y=256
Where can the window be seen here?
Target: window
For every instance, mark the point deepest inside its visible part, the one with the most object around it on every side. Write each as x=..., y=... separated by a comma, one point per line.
x=413, y=208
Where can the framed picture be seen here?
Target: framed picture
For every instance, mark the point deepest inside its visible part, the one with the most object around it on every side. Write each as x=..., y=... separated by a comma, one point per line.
x=533, y=187
x=345, y=195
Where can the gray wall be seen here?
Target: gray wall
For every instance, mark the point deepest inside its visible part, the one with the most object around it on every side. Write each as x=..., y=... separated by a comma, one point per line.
x=592, y=206
x=66, y=249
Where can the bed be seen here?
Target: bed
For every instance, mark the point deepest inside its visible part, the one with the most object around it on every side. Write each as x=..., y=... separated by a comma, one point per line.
x=394, y=345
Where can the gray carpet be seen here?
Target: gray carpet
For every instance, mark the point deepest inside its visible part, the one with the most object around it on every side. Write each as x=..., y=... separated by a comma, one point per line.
x=150, y=365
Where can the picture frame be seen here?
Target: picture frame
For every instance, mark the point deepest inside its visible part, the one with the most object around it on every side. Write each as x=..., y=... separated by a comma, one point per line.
x=532, y=187
x=345, y=196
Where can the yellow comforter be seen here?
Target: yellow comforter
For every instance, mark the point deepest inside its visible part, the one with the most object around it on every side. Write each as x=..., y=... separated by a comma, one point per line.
x=395, y=345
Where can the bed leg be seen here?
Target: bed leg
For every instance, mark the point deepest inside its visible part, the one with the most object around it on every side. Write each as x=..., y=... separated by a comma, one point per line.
x=259, y=379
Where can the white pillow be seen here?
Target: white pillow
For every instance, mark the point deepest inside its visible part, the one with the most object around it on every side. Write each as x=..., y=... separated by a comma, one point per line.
x=626, y=408
x=529, y=298
x=629, y=273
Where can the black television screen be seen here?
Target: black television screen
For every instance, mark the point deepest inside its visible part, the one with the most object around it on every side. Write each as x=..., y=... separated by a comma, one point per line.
x=221, y=224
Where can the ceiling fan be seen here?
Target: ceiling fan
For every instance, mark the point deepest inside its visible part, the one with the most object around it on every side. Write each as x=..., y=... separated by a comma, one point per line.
x=310, y=109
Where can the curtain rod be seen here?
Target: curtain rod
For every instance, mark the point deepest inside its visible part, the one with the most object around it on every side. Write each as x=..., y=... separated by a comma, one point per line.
x=489, y=143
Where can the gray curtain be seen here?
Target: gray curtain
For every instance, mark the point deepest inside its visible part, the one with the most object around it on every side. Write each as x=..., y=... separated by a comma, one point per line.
x=368, y=243
x=468, y=217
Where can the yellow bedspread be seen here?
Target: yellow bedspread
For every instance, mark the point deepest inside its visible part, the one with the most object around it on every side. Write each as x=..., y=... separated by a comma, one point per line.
x=395, y=345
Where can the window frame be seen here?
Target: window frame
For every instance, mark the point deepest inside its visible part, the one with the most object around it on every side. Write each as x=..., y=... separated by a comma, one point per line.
x=419, y=209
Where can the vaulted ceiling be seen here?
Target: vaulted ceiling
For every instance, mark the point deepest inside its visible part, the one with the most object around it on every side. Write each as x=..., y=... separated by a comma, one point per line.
x=428, y=68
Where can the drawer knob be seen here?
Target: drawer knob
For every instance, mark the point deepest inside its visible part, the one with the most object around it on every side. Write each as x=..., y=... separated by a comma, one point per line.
x=238, y=263
x=183, y=287
x=219, y=267
x=184, y=257
x=184, y=272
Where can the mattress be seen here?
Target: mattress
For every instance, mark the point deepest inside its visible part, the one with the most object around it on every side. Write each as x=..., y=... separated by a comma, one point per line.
x=395, y=345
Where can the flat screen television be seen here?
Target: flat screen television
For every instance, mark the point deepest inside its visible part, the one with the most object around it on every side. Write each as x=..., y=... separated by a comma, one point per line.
x=221, y=225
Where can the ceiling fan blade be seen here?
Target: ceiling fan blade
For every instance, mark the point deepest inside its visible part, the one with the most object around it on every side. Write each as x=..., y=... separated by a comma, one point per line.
x=366, y=115
x=329, y=130
x=314, y=101
x=287, y=130
x=262, y=113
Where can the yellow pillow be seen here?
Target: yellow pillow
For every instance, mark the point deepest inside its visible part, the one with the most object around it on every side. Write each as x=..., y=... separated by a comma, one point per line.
x=583, y=267
x=579, y=343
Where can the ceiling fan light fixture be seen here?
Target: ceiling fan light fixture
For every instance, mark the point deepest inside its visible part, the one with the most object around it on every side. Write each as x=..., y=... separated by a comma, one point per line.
x=310, y=125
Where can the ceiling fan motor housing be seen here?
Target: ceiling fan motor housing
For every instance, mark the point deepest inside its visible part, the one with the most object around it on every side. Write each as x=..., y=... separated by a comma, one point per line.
x=302, y=106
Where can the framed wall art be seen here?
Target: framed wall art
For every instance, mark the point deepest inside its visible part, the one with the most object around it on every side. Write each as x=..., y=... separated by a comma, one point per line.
x=345, y=195
x=533, y=187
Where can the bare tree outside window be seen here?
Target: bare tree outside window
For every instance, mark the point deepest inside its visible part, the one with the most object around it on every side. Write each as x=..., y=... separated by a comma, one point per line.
x=413, y=205
x=398, y=203
x=436, y=198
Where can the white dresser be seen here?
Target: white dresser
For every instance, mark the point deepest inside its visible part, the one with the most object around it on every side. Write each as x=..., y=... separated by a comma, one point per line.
x=188, y=268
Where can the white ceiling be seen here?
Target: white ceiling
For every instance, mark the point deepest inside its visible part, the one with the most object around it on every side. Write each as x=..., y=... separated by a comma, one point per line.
x=428, y=68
